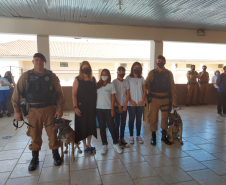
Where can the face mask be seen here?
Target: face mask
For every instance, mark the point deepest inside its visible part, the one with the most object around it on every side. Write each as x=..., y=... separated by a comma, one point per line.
x=192, y=69
x=86, y=71
x=121, y=75
x=137, y=71
x=204, y=69
x=217, y=74
x=104, y=78
x=160, y=64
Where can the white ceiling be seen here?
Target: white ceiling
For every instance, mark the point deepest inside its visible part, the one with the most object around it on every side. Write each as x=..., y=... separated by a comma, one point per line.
x=188, y=14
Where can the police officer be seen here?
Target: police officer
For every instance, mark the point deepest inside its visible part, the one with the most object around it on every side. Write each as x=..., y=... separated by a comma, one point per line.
x=44, y=97
x=162, y=92
x=192, y=86
x=203, y=85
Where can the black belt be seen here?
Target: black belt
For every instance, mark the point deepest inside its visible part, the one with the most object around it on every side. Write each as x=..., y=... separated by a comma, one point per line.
x=159, y=97
x=191, y=83
x=39, y=105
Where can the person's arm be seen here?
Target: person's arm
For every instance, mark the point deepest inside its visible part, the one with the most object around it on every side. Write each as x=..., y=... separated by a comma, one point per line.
x=3, y=84
x=127, y=100
x=113, y=91
x=141, y=103
x=147, y=81
x=173, y=90
x=74, y=97
x=60, y=98
x=13, y=82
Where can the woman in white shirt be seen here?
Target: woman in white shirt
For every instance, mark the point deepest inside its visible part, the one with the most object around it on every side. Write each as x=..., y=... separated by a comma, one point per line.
x=6, y=83
x=214, y=79
x=105, y=110
x=137, y=100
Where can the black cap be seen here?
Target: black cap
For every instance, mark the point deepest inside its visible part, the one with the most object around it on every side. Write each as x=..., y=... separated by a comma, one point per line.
x=39, y=55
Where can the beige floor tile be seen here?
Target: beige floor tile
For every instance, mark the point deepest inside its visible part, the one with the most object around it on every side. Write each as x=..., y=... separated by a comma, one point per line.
x=3, y=143
x=140, y=170
x=33, y=180
x=65, y=182
x=82, y=163
x=157, y=180
x=201, y=155
x=217, y=166
x=110, y=166
x=211, y=148
x=26, y=157
x=10, y=154
x=85, y=177
x=172, y=174
x=21, y=170
x=7, y=165
x=187, y=183
x=174, y=152
x=188, y=163
x=159, y=160
x=221, y=156
x=132, y=157
x=187, y=146
x=110, y=155
x=130, y=149
x=3, y=177
x=16, y=145
x=218, y=142
x=117, y=179
x=56, y=173
x=20, y=138
x=147, y=150
x=48, y=160
x=207, y=177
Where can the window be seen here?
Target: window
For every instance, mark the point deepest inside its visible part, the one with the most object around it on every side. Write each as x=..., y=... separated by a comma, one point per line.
x=220, y=65
x=63, y=64
x=188, y=65
x=123, y=65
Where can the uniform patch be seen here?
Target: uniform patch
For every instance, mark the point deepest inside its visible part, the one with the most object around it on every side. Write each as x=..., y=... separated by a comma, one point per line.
x=46, y=78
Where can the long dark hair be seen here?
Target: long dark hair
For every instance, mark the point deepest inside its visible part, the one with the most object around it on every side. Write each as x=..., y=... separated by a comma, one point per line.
x=8, y=77
x=100, y=82
x=131, y=72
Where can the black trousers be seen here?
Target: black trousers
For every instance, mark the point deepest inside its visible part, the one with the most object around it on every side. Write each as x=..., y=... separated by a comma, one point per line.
x=120, y=120
x=103, y=116
x=221, y=102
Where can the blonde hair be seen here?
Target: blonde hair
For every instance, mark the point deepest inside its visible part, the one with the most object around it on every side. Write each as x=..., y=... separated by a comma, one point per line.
x=81, y=76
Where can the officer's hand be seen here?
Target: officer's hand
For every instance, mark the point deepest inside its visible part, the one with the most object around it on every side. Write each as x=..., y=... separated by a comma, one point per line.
x=112, y=112
x=174, y=104
x=77, y=111
x=58, y=114
x=18, y=116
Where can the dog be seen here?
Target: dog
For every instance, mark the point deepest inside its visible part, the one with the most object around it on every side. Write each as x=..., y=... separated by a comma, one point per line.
x=175, y=126
x=66, y=136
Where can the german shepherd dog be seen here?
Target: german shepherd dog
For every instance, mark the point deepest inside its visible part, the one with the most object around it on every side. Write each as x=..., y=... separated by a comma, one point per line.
x=175, y=126
x=66, y=136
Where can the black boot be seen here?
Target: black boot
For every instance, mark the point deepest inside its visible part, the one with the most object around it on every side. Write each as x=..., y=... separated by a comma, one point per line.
x=164, y=138
x=56, y=157
x=34, y=161
x=153, y=139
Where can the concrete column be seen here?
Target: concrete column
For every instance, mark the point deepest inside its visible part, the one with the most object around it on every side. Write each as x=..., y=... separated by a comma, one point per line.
x=145, y=70
x=173, y=70
x=43, y=47
x=156, y=49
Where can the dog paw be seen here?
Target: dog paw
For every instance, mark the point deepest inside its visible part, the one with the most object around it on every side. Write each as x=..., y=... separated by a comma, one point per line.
x=80, y=151
x=181, y=143
x=62, y=158
x=65, y=151
x=72, y=159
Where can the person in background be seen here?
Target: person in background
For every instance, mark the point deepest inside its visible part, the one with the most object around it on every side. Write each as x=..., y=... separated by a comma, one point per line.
x=203, y=86
x=221, y=83
x=214, y=79
x=121, y=101
x=84, y=101
x=105, y=110
x=6, y=83
x=192, y=86
x=136, y=101
x=161, y=87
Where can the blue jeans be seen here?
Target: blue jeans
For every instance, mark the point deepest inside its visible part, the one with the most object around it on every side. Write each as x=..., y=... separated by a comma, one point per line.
x=135, y=112
x=120, y=120
x=4, y=95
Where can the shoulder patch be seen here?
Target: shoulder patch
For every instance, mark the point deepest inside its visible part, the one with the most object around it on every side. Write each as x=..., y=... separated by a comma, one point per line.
x=188, y=72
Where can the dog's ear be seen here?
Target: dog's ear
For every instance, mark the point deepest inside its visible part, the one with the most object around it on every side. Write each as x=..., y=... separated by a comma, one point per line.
x=67, y=121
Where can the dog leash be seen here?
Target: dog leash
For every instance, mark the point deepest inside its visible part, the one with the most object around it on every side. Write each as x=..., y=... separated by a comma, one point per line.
x=16, y=124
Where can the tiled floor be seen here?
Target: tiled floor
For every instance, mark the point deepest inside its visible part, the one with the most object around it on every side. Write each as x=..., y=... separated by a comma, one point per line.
x=201, y=160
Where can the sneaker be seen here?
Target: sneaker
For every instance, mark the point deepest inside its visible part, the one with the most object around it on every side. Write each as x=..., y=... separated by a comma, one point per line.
x=8, y=114
x=1, y=115
x=104, y=149
x=139, y=139
x=120, y=143
x=117, y=148
x=124, y=143
x=131, y=140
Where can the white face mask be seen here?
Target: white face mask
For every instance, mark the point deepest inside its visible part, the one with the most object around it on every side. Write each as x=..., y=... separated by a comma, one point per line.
x=217, y=74
x=104, y=78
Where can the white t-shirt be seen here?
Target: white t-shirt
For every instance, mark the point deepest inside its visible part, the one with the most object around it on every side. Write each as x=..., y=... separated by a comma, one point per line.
x=104, y=96
x=121, y=87
x=135, y=87
x=5, y=81
x=213, y=80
